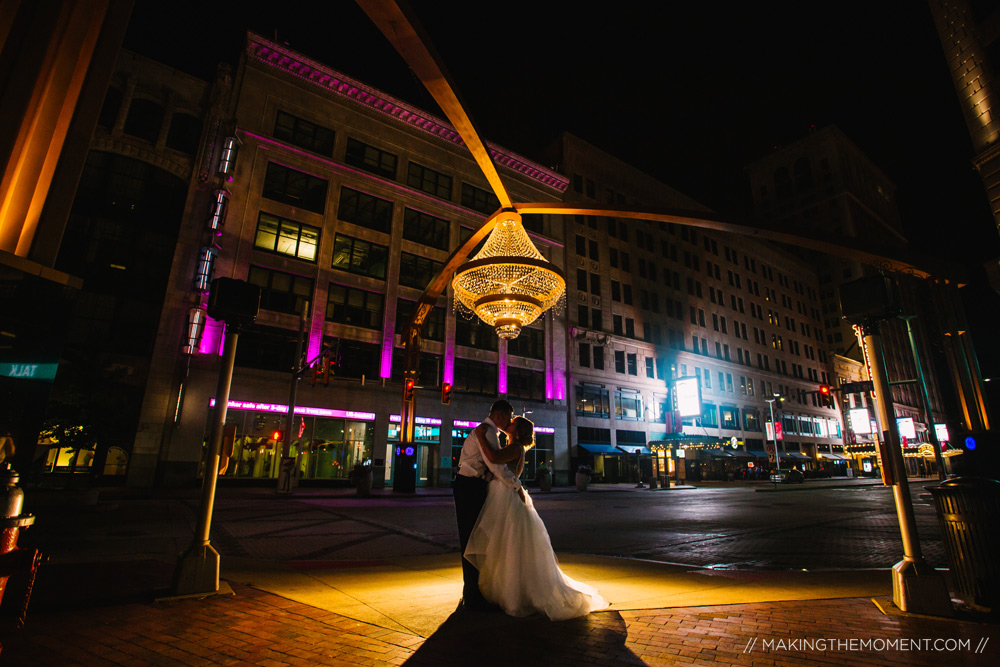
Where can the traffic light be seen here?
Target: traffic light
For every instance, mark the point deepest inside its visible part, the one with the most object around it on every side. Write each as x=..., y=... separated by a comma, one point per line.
x=825, y=395
x=408, y=385
x=445, y=393
x=278, y=435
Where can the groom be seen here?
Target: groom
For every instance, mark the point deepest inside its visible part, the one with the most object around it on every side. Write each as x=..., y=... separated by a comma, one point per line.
x=470, y=487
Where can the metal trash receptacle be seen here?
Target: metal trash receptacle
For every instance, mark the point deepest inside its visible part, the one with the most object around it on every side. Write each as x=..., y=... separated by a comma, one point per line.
x=967, y=508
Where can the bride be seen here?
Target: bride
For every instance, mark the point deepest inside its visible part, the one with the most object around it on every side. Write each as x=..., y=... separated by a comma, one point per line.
x=510, y=547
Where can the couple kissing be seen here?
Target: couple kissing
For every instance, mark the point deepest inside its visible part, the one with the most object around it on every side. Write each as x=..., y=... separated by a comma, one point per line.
x=507, y=558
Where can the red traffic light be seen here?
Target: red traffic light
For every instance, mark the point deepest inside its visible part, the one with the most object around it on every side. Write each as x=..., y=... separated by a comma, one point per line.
x=277, y=436
x=408, y=386
x=446, y=393
x=824, y=389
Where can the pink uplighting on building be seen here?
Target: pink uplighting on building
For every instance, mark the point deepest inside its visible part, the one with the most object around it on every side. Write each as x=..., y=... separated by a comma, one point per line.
x=212, y=337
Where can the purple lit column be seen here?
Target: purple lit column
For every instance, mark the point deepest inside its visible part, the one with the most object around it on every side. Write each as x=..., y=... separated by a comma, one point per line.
x=502, y=367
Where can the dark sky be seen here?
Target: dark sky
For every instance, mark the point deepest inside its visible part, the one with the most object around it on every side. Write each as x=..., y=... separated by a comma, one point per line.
x=689, y=94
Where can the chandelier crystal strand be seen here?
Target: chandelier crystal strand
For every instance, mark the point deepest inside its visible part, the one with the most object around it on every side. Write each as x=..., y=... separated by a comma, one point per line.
x=509, y=284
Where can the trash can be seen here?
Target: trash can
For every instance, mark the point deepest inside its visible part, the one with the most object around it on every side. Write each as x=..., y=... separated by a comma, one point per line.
x=967, y=508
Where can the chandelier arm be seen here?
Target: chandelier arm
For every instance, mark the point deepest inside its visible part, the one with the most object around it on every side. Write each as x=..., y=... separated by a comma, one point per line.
x=400, y=26
x=894, y=258
x=437, y=286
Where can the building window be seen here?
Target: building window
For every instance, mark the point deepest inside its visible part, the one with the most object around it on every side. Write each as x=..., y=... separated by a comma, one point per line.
x=730, y=417
x=619, y=361
x=365, y=210
x=598, y=358
x=279, y=291
x=144, y=119
x=371, y=159
x=478, y=199
x=476, y=377
x=751, y=419
x=474, y=333
x=633, y=367
x=416, y=271
x=425, y=229
x=295, y=188
x=628, y=405
x=650, y=367
x=359, y=308
x=286, y=237
x=593, y=401
x=585, y=355
x=303, y=134
x=430, y=181
x=184, y=133
x=709, y=415
x=433, y=328
x=530, y=343
x=361, y=257
x=525, y=384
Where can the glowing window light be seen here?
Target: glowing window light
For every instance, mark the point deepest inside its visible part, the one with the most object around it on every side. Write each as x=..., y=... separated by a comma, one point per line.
x=206, y=268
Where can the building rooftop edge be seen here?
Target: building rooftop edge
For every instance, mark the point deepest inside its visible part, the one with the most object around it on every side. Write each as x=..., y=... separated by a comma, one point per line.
x=276, y=55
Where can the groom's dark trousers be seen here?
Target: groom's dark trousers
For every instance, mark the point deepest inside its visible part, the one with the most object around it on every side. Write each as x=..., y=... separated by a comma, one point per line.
x=470, y=496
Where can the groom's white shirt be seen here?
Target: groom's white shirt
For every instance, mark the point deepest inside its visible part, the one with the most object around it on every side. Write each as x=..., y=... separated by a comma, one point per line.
x=473, y=464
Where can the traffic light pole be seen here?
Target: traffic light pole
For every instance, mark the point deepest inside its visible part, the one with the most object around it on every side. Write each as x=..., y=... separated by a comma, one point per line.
x=197, y=570
x=284, y=472
x=928, y=412
x=916, y=586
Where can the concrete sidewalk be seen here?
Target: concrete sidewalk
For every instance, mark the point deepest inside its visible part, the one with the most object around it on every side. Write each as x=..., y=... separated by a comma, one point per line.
x=97, y=606
x=404, y=611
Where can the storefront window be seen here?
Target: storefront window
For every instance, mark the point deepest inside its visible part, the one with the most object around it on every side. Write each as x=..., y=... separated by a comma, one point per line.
x=323, y=448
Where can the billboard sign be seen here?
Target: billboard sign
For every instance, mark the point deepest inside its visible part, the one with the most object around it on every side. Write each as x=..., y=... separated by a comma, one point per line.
x=688, y=393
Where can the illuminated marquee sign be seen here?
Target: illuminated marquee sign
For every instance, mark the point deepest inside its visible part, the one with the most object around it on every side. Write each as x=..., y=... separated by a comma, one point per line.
x=299, y=410
x=860, y=423
x=688, y=393
x=941, y=430
x=466, y=424
x=906, y=428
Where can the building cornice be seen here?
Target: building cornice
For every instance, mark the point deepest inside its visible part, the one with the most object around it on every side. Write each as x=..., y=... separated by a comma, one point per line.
x=280, y=57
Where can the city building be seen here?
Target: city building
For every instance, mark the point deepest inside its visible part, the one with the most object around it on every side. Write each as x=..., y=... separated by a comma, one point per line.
x=825, y=183
x=653, y=304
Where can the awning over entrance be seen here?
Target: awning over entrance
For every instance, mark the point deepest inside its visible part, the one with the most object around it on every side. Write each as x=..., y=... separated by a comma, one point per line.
x=740, y=454
x=716, y=453
x=631, y=449
x=759, y=454
x=796, y=455
x=833, y=457
x=594, y=448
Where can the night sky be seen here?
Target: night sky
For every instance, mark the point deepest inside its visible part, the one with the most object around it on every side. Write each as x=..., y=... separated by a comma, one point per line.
x=691, y=95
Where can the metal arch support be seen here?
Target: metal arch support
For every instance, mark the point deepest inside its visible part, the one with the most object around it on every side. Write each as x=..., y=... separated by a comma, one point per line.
x=899, y=259
x=404, y=481
x=400, y=26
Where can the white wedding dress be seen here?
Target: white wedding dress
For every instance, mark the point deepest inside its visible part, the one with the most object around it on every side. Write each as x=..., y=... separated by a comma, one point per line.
x=517, y=567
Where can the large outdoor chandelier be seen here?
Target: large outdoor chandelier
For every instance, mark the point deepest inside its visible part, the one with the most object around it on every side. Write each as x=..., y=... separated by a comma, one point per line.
x=508, y=284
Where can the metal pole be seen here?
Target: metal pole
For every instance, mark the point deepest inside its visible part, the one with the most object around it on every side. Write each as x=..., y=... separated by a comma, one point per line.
x=929, y=414
x=198, y=568
x=774, y=433
x=916, y=587
x=286, y=444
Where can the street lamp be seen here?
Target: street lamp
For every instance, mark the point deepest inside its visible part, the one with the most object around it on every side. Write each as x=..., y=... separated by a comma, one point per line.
x=774, y=428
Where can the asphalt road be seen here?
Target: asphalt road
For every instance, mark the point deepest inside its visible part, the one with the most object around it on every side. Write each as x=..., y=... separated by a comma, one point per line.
x=810, y=527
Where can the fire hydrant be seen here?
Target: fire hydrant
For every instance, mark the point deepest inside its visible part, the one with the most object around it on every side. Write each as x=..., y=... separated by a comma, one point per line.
x=12, y=559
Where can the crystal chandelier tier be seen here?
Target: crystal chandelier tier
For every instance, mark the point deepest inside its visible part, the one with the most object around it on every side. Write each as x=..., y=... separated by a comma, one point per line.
x=509, y=284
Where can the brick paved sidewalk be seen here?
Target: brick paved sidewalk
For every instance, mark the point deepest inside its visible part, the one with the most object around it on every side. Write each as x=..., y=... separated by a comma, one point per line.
x=258, y=628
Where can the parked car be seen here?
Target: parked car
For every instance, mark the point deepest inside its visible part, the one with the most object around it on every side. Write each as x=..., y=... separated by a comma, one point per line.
x=788, y=476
